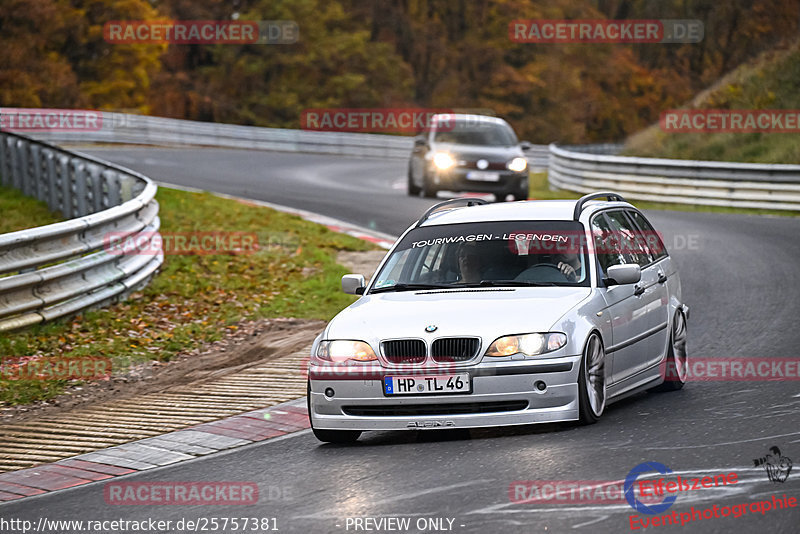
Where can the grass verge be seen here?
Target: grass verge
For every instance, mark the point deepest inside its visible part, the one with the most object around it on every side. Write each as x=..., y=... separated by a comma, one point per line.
x=540, y=190
x=765, y=83
x=195, y=299
x=20, y=212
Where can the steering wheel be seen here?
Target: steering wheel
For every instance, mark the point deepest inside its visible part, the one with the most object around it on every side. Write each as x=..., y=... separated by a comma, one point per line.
x=526, y=274
x=549, y=265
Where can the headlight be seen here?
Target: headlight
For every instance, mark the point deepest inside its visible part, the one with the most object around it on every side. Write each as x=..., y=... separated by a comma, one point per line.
x=517, y=164
x=443, y=161
x=527, y=344
x=342, y=350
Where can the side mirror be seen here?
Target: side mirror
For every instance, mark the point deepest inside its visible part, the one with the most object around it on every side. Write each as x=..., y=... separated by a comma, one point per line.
x=353, y=284
x=623, y=274
x=420, y=141
x=525, y=145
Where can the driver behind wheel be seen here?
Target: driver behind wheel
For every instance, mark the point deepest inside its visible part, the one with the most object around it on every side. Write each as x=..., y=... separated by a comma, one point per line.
x=469, y=264
x=569, y=264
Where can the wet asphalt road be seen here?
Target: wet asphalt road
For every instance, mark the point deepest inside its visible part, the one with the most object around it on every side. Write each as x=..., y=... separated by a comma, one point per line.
x=739, y=276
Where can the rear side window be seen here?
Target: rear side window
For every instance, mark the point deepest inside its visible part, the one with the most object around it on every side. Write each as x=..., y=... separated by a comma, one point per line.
x=628, y=238
x=651, y=239
x=607, y=244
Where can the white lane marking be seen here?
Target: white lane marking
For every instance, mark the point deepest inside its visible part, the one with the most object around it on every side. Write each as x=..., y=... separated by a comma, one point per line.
x=325, y=514
x=706, y=445
x=592, y=522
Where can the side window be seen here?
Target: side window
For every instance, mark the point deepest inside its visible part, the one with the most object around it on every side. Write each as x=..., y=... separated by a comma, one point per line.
x=394, y=268
x=629, y=238
x=429, y=262
x=606, y=243
x=651, y=239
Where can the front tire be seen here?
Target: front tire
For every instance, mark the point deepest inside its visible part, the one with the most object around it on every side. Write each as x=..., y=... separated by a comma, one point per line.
x=413, y=190
x=329, y=436
x=676, y=369
x=592, y=381
x=428, y=189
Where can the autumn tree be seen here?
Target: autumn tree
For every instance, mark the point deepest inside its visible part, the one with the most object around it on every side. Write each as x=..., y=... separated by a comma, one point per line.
x=54, y=55
x=333, y=64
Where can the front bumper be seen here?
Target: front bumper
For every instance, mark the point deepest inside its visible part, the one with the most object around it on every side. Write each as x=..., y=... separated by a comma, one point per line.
x=456, y=180
x=502, y=394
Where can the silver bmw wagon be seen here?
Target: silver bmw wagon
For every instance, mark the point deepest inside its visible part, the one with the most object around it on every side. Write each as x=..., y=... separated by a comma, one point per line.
x=503, y=314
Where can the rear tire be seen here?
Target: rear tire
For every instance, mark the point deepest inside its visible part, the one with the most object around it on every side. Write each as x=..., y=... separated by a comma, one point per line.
x=521, y=195
x=329, y=436
x=676, y=365
x=592, y=381
x=413, y=190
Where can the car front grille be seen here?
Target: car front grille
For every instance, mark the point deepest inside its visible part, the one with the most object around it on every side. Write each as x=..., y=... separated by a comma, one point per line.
x=404, y=350
x=463, y=408
x=493, y=166
x=455, y=349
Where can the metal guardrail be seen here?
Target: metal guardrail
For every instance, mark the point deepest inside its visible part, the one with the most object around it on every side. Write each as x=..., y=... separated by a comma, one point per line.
x=62, y=268
x=160, y=131
x=711, y=183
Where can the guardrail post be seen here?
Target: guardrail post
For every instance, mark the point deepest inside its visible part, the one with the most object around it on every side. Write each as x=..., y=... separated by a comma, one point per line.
x=5, y=162
x=79, y=177
x=48, y=164
x=64, y=204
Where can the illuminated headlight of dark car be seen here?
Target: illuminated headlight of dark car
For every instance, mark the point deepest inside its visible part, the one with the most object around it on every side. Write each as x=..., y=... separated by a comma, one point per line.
x=517, y=164
x=443, y=161
x=527, y=344
x=342, y=350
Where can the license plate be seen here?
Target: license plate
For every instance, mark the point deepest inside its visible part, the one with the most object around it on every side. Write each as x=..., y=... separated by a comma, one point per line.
x=483, y=176
x=426, y=385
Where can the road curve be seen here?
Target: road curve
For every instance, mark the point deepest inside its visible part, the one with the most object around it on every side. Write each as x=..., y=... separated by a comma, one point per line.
x=739, y=277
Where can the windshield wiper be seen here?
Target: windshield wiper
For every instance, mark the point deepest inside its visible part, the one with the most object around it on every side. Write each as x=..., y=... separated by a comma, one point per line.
x=520, y=283
x=410, y=287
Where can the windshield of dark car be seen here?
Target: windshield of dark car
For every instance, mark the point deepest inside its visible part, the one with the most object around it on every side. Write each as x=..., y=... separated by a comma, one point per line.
x=509, y=253
x=477, y=133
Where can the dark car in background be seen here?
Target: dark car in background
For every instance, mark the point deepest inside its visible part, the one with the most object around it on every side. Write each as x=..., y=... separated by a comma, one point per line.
x=469, y=153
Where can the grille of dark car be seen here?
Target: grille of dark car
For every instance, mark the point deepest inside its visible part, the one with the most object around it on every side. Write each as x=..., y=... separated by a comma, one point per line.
x=492, y=166
x=404, y=350
x=435, y=409
x=455, y=349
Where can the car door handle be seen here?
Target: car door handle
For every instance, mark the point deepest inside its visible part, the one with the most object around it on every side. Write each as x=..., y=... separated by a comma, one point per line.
x=638, y=289
x=661, y=277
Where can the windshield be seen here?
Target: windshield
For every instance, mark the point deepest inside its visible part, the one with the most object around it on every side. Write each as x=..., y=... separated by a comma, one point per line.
x=478, y=133
x=506, y=253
